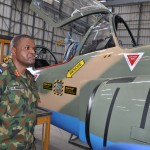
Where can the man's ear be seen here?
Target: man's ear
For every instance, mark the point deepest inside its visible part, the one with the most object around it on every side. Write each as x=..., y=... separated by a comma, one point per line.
x=13, y=51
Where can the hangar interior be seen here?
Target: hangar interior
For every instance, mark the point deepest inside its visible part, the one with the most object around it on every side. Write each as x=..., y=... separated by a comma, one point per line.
x=16, y=18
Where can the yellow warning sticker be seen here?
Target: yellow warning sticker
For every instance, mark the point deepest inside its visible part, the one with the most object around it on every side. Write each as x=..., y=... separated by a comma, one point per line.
x=58, y=87
x=75, y=69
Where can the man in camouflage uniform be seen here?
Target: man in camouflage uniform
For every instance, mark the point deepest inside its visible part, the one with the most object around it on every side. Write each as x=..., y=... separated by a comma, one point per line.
x=18, y=97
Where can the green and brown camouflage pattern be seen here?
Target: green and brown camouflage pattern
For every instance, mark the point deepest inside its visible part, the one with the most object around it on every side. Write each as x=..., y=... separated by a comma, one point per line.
x=18, y=100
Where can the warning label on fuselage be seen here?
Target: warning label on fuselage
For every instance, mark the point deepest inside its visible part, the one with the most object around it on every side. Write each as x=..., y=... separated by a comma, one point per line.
x=47, y=86
x=70, y=90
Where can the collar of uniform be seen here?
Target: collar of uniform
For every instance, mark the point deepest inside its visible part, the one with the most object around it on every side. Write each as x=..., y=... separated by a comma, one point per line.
x=13, y=70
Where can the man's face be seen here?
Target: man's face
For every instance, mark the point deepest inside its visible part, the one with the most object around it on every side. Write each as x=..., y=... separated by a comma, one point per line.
x=25, y=52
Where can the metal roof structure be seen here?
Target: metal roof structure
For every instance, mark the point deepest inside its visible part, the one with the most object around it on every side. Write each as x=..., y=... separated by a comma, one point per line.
x=122, y=2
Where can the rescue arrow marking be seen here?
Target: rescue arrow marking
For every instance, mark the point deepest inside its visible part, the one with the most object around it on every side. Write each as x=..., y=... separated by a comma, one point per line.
x=75, y=69
x=132, y=59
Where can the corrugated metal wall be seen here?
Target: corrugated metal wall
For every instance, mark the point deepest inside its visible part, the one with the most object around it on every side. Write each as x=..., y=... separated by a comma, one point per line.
x=138, y=19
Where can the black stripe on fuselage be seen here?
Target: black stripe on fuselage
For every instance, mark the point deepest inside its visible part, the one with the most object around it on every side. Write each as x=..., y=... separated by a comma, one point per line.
x=145, y=111
x=109, y=117
x=88, y=116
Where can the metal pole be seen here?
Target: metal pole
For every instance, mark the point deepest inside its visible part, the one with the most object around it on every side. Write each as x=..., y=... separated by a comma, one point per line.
x=9, y=29
x=139, y=24
x=33, y=24
x=44, y=26
x=21, y=20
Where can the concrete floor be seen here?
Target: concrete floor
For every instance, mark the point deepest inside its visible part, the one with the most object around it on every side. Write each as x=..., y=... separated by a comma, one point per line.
x=58, y=139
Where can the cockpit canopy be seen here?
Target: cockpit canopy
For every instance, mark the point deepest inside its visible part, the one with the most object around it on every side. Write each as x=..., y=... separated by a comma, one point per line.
x=61, y=12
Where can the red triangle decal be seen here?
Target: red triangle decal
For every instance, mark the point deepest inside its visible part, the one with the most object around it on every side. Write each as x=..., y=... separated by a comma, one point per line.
x=133, y=58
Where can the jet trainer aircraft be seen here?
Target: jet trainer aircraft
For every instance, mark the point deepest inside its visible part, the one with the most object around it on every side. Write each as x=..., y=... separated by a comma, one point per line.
x=100, y=92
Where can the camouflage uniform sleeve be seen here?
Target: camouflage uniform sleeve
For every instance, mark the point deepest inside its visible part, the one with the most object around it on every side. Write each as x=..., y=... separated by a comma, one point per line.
x=36, y=92
x=35, y=87
x=2, y=88
x=3, y=70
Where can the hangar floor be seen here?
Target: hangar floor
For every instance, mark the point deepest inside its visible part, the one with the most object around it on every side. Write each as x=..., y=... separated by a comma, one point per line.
x=58, y=139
